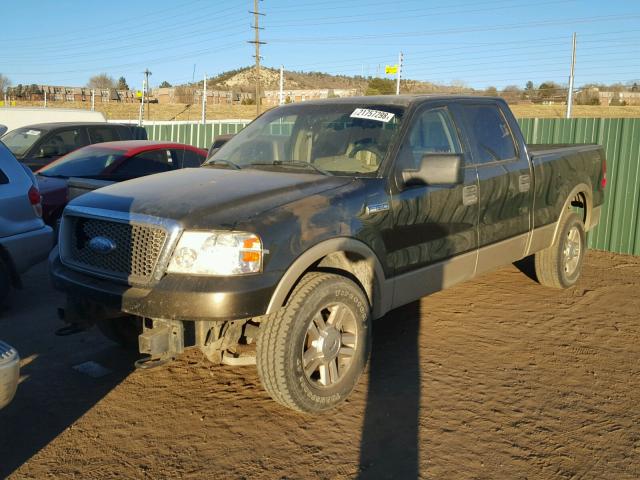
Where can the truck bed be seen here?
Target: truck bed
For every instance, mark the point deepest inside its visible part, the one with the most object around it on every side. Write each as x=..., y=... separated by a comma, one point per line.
x=537, y=149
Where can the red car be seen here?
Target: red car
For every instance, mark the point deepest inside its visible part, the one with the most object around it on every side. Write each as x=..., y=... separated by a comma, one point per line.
x=102, y=164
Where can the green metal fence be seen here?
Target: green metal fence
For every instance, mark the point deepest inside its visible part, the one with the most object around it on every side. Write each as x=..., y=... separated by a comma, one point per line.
x=619, y=229
x=195, y=134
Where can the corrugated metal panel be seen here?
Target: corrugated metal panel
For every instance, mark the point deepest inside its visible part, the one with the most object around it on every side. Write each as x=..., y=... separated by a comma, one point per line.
x=619, y=229
x=195, y=134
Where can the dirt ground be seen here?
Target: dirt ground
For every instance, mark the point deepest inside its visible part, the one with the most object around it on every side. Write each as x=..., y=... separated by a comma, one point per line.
x=495, y=378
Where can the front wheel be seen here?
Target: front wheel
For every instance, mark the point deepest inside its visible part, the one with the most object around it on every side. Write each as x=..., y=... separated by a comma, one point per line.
x=311, y=353
x=559, y=265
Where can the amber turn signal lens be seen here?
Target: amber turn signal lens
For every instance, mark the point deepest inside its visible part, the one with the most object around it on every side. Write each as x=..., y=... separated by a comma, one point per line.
x=251, y=243
x=250, y=256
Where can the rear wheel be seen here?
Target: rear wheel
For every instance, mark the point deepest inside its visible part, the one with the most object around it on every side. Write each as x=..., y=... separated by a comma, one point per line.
x=311, y=353
x=559, y=265
x=122, y=330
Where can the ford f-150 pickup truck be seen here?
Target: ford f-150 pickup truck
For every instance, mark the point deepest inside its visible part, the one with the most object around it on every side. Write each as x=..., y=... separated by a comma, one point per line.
x=315, y=220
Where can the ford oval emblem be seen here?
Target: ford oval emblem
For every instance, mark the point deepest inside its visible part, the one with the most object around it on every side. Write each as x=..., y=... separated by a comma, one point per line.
x=102, y=245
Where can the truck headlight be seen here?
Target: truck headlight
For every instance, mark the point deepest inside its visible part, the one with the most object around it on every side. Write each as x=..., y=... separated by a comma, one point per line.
x=217, y=253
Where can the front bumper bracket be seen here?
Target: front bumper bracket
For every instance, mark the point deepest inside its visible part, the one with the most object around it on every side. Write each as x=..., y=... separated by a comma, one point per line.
x=162, y=342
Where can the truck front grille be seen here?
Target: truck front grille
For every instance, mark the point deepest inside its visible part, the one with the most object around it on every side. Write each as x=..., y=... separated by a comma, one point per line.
x=125, y=251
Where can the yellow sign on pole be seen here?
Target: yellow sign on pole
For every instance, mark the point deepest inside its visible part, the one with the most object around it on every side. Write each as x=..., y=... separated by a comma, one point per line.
x=139, y=94
x=391, y=69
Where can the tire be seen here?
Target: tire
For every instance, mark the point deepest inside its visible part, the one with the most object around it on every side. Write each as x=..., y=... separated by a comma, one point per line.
x=122, y=330
x=559, y=265
x=325, y=327
x=5, y=282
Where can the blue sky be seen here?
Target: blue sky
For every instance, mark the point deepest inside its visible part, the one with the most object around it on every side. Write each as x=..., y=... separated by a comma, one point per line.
x=478, y=43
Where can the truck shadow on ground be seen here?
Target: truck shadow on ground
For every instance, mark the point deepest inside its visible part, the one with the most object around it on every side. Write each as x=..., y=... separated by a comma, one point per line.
x=50, y=399
x=528, y=267
x=389, y=445
x=51, y=395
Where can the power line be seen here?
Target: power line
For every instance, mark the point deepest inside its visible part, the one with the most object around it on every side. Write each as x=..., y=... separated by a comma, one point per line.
x=148, y=34
x=418, y=13
x=157, y=61
x=139, y=52
x=470, y=29
x=121, y=23
x=443, y=50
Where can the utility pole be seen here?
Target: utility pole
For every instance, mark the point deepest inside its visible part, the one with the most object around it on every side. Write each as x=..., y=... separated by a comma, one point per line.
x=571, y=76
x=256, y=41
x=45, y=99
x=281, y=84
x=399, y=73
x=141, y=113
x=146, y=83
x=204, y=100
x=93, y=99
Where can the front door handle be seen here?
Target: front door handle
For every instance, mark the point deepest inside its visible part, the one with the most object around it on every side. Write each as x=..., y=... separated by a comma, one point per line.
x=470, y=195
x=524, y=183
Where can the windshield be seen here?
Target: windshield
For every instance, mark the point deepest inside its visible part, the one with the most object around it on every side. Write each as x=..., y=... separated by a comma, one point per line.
x=19, y=141
x=92, y=162
x=341, y=139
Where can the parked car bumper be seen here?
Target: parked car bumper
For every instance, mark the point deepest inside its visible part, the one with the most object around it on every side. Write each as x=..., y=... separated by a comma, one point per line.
x=9, y=373
x=174, y=297
x=27, y=249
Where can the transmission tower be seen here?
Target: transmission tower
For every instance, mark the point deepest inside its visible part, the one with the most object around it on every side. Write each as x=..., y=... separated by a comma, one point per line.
x=256, y=41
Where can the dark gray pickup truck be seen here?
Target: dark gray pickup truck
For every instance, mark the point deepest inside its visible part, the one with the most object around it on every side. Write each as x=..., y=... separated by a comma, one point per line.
x=315, y=220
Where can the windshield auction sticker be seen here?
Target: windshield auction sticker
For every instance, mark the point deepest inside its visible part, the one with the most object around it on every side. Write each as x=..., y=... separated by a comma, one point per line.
x=378, y=115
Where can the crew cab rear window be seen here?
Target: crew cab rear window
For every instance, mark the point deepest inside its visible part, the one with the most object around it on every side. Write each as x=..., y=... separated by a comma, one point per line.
x=491, y=133
x=103, y=134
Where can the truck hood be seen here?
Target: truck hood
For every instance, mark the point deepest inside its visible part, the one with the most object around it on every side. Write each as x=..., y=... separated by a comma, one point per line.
x=208, y=197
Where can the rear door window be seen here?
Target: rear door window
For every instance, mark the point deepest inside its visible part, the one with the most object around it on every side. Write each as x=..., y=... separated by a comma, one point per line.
x=64, y=141
x=146, y=163
x=103, y=134
x=491, y=132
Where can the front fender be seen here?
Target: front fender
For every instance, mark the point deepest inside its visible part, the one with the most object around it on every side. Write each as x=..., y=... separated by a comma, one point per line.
x=380, y=296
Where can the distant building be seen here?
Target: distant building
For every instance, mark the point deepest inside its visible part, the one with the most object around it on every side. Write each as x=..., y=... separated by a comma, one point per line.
x=272, y=97
x=55, y=93
x=619, y=98
x=194, y=95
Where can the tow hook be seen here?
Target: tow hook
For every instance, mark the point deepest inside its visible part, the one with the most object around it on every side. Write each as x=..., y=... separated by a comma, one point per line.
x=162, y=342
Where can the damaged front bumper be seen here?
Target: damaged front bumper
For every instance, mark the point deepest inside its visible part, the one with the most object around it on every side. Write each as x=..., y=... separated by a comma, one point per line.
x=174, y=297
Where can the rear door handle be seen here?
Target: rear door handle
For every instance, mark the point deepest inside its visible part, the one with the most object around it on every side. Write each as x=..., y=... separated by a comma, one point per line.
x=524, y=183
x=470, y=195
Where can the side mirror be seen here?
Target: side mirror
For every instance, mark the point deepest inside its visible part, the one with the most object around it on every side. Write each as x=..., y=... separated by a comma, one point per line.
x=47, y=151
x=3, y=130
x=436, y=169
